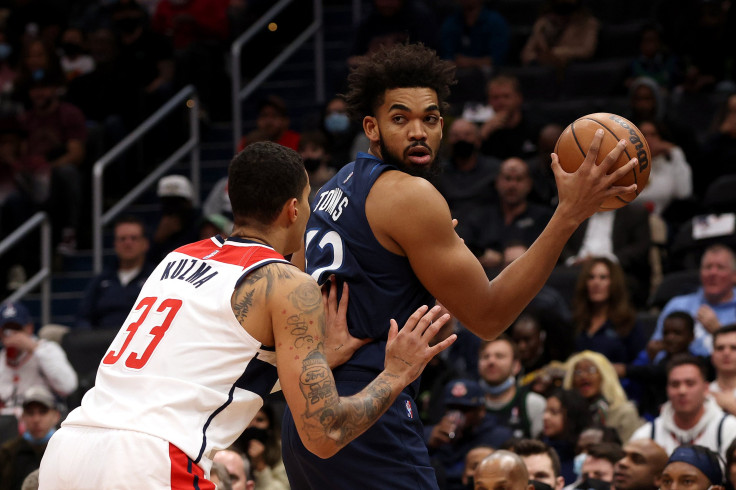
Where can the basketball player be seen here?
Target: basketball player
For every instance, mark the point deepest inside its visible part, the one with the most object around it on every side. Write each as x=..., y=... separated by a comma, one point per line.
x=191, y=368
x=380, y=226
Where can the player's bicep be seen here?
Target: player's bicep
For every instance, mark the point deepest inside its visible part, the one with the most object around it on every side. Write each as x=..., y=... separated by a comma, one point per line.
x=439, y=258
x=306, y=380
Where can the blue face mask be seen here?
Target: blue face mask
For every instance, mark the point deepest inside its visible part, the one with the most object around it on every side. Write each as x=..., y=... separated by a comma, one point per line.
x=337, y=122
x=578, y=463
x=5, y=50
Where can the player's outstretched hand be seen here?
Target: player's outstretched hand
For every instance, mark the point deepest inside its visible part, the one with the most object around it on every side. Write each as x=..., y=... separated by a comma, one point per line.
x=408, y=350
x=338, y=344
x=582, y=192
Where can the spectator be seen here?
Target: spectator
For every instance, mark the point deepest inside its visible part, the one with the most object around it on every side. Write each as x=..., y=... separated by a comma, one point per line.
x=57, y=132
x=654, y=59
x=9, y=105
x=731, y=465
x=261, y=443
x=393, y=22
x=237, y=466
x=273, y=124
x=651, y=373
x=600, y=461
x=178, y=216
x=502, y=468
x=313, y=150
x=509, y=405
x=510, y=131
x=472, y=460
x=695, y=466
x=621, y=235
x=604, y=319
x=467, y=181
x=712, y=305
x=341, y=131
x=723, y=388
x=146, y=58
x=37, y=57
x=565, y=416
x=690, y=416
x=474, y=37
x=544, y=190
x=541, y=462
x=513, y=217
x=220, y=477
x=464, y=426
x=593, y=376
x=26, y=361
x=197, y=30
x=213, y=225
x=641, y=466
x=22, y=455
x=719, y=148
x=110, y=296
x=648, y=102
x=75, y=61
x=670, y=176
x=566, y=32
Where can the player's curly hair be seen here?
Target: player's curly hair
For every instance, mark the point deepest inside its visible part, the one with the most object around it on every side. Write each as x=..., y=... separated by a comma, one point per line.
x=398, y=66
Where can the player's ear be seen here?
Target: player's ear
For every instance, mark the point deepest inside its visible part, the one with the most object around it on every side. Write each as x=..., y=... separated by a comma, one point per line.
x=290, y=211
x=370, y=127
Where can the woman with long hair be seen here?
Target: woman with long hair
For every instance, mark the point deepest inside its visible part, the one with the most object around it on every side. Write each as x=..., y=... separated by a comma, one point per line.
x=603, y=316
x=565, y=416
x=593, y=376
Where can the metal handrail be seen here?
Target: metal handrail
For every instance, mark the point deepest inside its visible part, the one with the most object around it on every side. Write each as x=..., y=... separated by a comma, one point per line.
x=191, y=147
x=43, y=276
x=240, y=94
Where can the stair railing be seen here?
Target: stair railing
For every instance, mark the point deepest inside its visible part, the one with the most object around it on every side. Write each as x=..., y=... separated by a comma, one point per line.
x=190, y=147
x=240, y=94
x=43, y=276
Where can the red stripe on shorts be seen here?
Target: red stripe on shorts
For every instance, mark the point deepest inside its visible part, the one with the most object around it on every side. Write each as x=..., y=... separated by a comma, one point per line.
x=186, y=475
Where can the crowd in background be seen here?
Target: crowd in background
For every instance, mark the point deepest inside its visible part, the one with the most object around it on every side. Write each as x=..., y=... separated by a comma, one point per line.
x=629, y=339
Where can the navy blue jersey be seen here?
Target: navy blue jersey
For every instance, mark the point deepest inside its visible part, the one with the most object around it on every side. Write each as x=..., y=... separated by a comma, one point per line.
x=339, y=241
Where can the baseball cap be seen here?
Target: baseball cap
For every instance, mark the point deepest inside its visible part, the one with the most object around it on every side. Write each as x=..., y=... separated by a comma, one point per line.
x=39, y=394
x=702, y=458
x=175, y=186
x=464, y=393
x=14, y=313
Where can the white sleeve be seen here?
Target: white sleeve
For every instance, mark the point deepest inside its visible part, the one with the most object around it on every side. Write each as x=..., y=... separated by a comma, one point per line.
x=643, y=432
x=55, y=367
x=683, y=174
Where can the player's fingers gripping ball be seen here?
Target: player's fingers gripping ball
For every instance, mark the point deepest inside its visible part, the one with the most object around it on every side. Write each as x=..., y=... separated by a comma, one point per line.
x=574, y=143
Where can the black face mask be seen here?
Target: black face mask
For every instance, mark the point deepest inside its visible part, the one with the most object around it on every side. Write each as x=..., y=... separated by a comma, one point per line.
x=463, y=149
x=128, y=25
x=564, y=8
x=471, y=483
x=71, y=49
x=312, y=164
x=538, y=485
x=260, y=435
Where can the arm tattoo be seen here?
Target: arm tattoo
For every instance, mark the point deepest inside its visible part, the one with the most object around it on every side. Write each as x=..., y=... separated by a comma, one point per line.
x=339, y=419
x=247, y=289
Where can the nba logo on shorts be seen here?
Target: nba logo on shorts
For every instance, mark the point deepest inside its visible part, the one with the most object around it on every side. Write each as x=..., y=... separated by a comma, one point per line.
x=409, y=411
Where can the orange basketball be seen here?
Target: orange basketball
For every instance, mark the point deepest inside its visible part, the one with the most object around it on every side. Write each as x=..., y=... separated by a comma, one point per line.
x=574, y=143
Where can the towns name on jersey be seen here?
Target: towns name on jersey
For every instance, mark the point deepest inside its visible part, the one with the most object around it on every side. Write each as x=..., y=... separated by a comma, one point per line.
x=333, y=202
x=189, y=270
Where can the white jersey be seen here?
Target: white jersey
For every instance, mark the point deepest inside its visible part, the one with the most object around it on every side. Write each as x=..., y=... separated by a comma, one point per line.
x=182, y=368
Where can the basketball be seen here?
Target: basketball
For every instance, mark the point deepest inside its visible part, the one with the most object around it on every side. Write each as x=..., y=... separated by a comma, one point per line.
x=574, y=143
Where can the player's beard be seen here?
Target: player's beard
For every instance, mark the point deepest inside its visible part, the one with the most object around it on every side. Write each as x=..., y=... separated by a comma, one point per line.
x=429, y=172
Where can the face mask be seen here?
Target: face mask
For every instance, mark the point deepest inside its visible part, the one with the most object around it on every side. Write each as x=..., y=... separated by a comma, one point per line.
x=578, y=463
x=337, y=122
x=471, y=483
x=463, y=149
x=72, y=50
x=5, y=50
x=564, y=8
x=538, y=485
x=256, y=433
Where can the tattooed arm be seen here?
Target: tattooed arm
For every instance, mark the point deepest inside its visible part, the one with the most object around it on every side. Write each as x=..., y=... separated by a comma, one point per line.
x=325, y=421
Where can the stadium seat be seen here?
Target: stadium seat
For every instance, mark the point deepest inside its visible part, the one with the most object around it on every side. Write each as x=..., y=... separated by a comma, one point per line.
x=675, y=284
